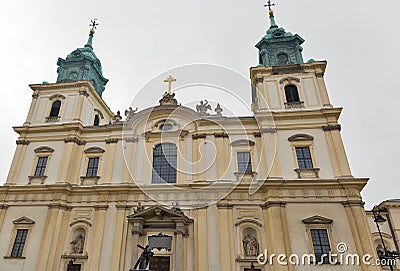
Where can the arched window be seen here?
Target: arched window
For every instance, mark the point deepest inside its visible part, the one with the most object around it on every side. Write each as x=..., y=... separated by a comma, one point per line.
x=96, y=120
x=164, y=163
x=292, y=94
x=55, y=109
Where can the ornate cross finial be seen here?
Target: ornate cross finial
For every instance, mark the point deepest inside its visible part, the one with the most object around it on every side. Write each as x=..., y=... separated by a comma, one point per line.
x=269, y=4
x=169, y=80
x=93, y=24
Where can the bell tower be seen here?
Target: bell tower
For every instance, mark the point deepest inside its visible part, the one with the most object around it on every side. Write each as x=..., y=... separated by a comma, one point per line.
x=83, y=64
x=282, y=80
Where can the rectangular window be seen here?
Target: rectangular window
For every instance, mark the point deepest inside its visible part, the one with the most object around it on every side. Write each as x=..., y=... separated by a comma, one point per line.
x=19, y=243
x=304, y=157
x=244, y=162
x=41, y=166
x=93, y=166
x=321, y=244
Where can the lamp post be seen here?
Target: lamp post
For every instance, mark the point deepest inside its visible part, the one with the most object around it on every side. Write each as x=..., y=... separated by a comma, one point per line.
x=387, y=255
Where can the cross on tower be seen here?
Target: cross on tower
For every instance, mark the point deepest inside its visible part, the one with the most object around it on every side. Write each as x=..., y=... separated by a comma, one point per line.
x=269, y=4
x=93, y=24
x=169, y=80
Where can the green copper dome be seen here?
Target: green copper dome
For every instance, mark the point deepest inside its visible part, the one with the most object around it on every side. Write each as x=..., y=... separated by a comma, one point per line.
x=279, y=47
x=82, y=64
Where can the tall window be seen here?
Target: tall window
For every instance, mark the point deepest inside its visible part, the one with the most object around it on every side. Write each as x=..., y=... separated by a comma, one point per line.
x=96, y=120
x=292, y=94
x=19, y=243
x=321, y=244
x=244, y=162
x=304, y=157
x=164, y=163
x=55, y=109
x=93, y=166
x=41, y=166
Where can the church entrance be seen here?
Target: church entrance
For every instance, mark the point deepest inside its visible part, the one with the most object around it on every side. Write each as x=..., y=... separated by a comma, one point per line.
x=159, y=263
x=74, y=267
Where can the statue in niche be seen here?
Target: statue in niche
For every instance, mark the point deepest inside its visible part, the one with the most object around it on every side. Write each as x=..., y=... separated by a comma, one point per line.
x=203, y=107
x=77, y=244
x=144, y=258
x=250, y=246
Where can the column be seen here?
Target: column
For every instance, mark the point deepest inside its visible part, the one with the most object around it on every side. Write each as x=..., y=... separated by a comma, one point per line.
x=78, y=113
x=109, y=161
x=360, y=230
x=179, y=261
x=97, y=237
x=17, y=161
x=72, y=155
x=116, y=264
x=274, y=231
x=137, y=231
x=336, y=149
x=35, y=97
x=224, y=235
x=324, y=93
x=3, y=210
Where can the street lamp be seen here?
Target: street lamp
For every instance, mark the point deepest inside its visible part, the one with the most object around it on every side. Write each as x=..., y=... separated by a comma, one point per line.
x=387, y=254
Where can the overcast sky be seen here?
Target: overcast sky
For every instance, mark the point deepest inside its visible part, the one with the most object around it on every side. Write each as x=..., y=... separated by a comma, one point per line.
x=138, y=40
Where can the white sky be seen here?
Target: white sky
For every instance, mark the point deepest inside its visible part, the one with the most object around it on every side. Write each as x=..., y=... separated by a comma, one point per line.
x=138, y=40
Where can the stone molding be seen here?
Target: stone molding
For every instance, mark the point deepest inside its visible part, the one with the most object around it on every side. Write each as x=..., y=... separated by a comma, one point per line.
x=22, y=142
x=74, y=140
x=84, y=93
x=44, y=149
x=131, y=139
x=222, y=134
x=111, y=140
x=268, y=130
x=56, y=96
x=197, y=136
x=337, y=127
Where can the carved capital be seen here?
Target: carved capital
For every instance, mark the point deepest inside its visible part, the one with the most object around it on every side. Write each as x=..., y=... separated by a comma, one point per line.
x=197, y=136
x=35, y=96
x=22, y=142
x=111, y=140
x=270, y=204
x=56, y=96
x=350, y=203
x=223, y=135
x=258, y=80
x=101, y=207
x=74, y=140
x=84, y=93
x=131, y=139
x=257, y=134
x=332, y=127
x=268, y=130
x=319, y=75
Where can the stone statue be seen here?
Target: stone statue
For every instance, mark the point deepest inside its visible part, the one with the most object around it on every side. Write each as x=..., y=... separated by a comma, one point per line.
x=144, y=258
x=250, y=246
x=139, y=208
x=218, y=110
x=203, y=107
x=129, y=113
x=117, y=117
x=77, y=244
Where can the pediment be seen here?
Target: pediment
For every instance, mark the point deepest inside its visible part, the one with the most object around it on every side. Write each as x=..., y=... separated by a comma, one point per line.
x=301, y=137
x=23, y=221
x=44, y=149
x=317, y=219
x=160, y=213
x=94, y=150
x=243, y=142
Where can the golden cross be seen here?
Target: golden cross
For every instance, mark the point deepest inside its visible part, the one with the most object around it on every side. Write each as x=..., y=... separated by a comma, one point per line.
x=169, y=80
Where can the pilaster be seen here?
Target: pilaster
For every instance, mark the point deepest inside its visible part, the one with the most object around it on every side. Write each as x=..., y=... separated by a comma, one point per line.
x=97, y=237
x=17, y=161
x=32, y=108
x=224, y=237
x=72, y=153
x=78, y=112
x=324, y=92
x=109, y=161
x=118, y=243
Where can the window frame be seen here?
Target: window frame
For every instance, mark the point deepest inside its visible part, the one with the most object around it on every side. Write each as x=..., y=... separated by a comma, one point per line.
x=22, y=223
x=238, y=163
x=156, y=177
x=92, y=168
x=91, y=152
x=40, y=152
x=40, y=169
x=298, y=94
x=304, y=141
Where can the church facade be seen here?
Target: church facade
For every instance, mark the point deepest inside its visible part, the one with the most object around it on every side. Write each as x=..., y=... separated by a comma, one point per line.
x=86, y=186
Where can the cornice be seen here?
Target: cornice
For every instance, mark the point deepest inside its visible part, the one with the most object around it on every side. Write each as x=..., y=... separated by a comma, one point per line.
x=74, y=140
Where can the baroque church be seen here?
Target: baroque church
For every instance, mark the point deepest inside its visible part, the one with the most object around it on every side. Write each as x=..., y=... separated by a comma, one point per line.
x=88, y=189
